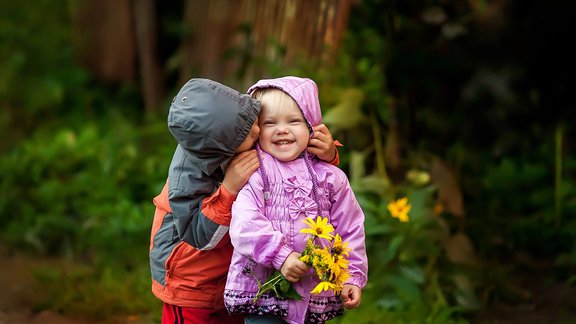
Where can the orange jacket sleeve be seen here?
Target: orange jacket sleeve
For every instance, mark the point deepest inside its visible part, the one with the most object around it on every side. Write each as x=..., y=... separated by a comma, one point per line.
x=218, y=206
x=336, y=160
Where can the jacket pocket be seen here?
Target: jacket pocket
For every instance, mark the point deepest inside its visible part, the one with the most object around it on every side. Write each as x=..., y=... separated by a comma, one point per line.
x=162, y=248
x=172, y=261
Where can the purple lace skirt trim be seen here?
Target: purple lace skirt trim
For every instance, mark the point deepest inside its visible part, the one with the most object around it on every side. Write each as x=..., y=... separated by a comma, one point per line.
x=239, y=302
x=320, y=309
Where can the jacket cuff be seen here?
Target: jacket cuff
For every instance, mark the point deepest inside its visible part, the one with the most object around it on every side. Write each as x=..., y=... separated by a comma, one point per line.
x=281, y=256
x=355, y=281
x=336, y=160
x=218, y=206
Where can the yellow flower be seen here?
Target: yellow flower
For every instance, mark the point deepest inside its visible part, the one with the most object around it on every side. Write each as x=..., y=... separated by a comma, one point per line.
x=329, y=262
x=403, y=218
x=339, y=281
x=337, y=290
x=342, y=277
x=322, y=286
x=341, y=262
x=323, y=258
x=321, y=228
x=339, y=247
x=399, y=209
x=335, y=272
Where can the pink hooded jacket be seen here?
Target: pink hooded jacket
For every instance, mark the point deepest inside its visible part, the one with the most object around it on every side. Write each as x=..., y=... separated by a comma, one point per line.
x=265, y=231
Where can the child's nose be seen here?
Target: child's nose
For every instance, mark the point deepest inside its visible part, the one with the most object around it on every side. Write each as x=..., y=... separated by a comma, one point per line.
x=281, y=129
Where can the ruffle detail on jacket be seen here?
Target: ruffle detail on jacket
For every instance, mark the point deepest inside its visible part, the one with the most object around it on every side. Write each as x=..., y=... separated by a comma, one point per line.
x=297, y=187
x=300, y=201
x=302, y=205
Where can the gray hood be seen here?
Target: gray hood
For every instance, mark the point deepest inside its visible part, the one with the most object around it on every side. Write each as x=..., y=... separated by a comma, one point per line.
x=210, y=120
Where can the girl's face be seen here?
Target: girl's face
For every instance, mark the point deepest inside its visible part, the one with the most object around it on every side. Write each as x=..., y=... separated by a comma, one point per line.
x=251, y=138
x=283, y=130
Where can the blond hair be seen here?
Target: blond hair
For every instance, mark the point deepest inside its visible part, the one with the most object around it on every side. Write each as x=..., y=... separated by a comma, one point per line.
x=278, y=97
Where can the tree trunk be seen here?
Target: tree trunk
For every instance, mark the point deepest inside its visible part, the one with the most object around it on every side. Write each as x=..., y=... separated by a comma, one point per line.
x=104, y=38
x=235, y=41
x=152, y=84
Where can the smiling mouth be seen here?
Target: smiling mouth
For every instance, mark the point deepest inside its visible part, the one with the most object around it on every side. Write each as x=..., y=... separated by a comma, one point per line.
x=283, y=142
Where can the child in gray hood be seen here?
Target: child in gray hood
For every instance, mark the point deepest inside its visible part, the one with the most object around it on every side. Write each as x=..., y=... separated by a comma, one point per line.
x=190, y=250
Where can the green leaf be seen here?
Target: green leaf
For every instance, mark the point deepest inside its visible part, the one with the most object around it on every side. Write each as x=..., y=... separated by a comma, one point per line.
x=406, y=289
x=379, y=229
x=413, y=273
x=292, y=293
x=348, y=113
x=393, y=247
x=281, y=287
x=284, y=285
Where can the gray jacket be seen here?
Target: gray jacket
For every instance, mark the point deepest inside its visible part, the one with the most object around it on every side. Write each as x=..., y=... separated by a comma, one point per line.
x=209, y=121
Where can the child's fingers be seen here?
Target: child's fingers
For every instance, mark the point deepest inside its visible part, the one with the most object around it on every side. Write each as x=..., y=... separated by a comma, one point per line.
x=322, y=138
x=291, y=278
x=351, y=303
x=302, y=268
x=246, y=160
x=352, y=298
x=239, y=170
x=245, y=156
x=322, y=133
x=322, y=129
x=344, y=294
x=314, y=142
x=249, y=161
x=348, y=301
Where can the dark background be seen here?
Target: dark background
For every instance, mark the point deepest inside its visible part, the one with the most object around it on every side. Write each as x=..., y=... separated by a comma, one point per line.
x=462, y=106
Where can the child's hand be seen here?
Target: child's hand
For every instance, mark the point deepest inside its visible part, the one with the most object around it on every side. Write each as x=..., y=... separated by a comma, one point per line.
x=322, y=144
x=239, y=170
x=351, y=296
x=292, y=269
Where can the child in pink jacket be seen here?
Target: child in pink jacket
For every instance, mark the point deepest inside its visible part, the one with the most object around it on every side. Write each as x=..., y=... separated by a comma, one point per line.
x=268, y=213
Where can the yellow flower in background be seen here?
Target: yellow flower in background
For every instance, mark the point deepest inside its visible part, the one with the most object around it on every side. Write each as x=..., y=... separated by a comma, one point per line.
x=321, y=228
x=399, y=209
x=403, y=218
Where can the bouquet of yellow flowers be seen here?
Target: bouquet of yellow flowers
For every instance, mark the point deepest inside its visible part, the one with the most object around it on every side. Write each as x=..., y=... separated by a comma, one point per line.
x=329, y=262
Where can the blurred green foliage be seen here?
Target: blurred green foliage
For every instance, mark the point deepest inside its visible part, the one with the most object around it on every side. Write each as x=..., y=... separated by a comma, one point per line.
x=414, y=81
x=79, y=168
x=76, y=192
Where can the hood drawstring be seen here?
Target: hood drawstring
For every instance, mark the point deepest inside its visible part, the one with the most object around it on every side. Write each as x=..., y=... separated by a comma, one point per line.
x=262, y=170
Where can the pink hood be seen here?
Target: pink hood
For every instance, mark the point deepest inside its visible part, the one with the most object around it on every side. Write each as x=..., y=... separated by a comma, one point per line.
x=304, y=91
